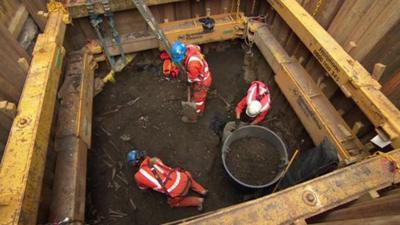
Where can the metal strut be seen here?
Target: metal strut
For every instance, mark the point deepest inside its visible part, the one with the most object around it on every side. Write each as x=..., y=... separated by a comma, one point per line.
x=110, y=18
x=150, y=20
x=96, y=23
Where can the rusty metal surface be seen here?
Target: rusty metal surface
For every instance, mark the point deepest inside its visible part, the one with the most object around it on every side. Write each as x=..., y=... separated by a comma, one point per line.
x=73, y=137
x=76, y=95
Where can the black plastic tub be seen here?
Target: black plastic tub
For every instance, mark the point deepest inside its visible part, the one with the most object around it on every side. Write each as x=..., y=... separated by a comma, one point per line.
x=258, y=132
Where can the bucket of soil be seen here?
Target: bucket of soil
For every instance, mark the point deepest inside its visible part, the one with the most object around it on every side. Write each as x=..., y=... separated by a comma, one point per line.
x=254, y=157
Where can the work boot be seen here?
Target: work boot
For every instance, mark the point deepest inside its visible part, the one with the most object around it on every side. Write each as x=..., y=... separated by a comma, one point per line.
x=200, y=206
x=185, y=119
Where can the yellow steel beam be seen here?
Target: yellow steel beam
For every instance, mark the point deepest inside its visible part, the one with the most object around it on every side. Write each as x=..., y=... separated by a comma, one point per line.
x=317, y=114
x=77, y=8
x=22, y=167
x=312, y=197
x=350, y=75
x=227, y=27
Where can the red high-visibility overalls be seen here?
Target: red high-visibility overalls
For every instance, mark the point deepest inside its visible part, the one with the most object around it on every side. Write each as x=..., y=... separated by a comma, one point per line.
x=173, y=182
x=199, y=75
x=260, y=92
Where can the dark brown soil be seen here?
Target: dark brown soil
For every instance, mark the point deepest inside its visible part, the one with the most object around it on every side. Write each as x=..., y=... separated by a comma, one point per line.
x=143, y=111
x=253, y=161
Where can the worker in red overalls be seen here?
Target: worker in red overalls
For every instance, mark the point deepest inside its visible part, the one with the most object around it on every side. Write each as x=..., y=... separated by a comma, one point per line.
x=174, y=182
x=199, y=75
x=257, y=103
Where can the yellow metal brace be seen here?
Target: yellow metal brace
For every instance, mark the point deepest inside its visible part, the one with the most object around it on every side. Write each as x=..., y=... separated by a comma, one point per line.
x=309, y=198
x=352, y=78
x=22, y=167
x=313, y=108
x=228, y=26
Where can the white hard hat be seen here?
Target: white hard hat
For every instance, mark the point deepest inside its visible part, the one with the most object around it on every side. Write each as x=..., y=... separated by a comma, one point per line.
x=253, y=109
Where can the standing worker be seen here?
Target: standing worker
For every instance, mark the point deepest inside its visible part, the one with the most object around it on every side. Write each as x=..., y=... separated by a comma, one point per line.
x=257, y=103
x=174, y=182
x=199, y=75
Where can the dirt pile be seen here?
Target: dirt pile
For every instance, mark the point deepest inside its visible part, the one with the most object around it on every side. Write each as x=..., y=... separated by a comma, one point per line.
x=253, y=160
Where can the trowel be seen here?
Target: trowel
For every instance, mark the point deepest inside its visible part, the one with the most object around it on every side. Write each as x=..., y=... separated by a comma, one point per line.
x=189, y=108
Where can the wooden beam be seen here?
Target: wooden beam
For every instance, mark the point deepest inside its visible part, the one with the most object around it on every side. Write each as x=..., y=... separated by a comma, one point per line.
x=77, y=8
x=350, y=76
x=377, y=73
x=8, y=109
x=311, y=197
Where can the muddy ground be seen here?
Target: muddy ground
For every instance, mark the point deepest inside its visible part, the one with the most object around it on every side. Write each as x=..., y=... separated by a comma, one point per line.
x=142, y=111
x=253, y=161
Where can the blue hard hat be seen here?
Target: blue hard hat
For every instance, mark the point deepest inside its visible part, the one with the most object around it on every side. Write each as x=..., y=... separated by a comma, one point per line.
x=133, y=155
x=178, y=51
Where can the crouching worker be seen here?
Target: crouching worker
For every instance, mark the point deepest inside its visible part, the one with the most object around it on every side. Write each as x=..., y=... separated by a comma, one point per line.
x=152, y=173
x=256, y=103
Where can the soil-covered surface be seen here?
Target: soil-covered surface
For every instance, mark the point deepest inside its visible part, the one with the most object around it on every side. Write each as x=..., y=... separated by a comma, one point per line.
x=253, y=161
x=143, y=111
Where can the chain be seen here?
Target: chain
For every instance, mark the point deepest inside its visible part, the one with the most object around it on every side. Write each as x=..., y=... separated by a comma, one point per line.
x=317, y=8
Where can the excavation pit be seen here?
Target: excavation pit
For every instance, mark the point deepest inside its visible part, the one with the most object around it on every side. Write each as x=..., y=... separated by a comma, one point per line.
x=143, y=111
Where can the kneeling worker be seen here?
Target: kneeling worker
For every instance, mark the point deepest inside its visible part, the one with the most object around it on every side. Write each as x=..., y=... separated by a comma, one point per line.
x=257, y=103
x=199, y=75
x=174, y=182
